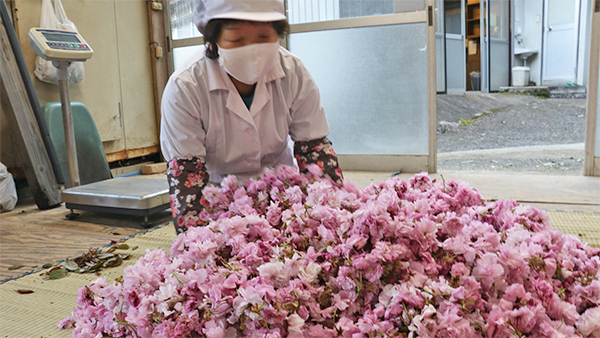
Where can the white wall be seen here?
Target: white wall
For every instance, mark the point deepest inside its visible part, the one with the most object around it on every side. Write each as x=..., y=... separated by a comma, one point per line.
x=528, y=17
x=118, y=79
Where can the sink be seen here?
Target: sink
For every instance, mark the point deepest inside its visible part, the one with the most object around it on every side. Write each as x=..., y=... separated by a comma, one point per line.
x=525, y=53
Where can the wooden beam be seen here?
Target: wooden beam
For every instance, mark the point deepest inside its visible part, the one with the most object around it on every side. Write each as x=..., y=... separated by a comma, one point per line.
x=28, y=140
x=154, y=168
x=592, y=104
x=158, y=52
x=431, y=73
x=379, y=20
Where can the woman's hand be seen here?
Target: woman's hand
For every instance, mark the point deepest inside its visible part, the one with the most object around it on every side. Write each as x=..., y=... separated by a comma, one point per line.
x=187, y=177
x=321, y=153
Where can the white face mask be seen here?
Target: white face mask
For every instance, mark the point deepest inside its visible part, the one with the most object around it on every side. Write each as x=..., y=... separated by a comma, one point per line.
x=249, y=63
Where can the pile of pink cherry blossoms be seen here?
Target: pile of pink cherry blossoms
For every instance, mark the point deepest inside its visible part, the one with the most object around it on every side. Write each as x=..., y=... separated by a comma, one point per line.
x=294, y=256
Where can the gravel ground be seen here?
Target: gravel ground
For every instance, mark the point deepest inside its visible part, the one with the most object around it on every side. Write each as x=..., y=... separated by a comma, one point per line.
x=535, y=134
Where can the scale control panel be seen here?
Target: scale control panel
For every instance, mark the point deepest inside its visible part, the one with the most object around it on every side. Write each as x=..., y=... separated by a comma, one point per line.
x=68, y=46
x=59, y=45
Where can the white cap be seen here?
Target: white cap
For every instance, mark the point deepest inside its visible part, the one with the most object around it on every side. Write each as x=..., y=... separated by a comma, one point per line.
x=247, y=10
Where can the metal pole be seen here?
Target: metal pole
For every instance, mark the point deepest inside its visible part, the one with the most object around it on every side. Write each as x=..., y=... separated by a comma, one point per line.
x=65, y=101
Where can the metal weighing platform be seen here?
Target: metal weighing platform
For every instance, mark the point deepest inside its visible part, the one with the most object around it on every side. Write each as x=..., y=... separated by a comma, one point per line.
x=125, y=196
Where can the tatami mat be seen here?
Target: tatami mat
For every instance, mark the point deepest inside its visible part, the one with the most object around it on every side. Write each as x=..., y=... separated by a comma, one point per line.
x=585, y=226
x=36, y=314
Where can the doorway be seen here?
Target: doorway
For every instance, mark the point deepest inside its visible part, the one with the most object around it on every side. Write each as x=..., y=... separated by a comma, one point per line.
x=477, y=49
x=561, y=36
x=474, y=18
x=455, y=44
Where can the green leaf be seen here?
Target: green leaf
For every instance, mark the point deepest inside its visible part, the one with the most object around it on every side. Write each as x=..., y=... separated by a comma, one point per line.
x=70, y=265
x=113, y=262
x=122, y=246
x=95, y=266
x=15, y=267
x=57, y=274
x=47, y=265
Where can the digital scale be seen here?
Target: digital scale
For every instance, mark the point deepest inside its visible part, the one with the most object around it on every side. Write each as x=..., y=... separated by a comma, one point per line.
x=128, y=195
x=63, y=47
x=59, y=45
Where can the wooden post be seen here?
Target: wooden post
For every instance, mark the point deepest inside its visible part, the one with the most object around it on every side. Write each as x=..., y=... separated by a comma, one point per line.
x=590, y=166
x=28, y=140
x=158, y=52
x=432, y=158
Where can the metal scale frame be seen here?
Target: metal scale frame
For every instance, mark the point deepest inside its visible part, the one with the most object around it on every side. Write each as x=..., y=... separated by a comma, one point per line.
x=124, y=196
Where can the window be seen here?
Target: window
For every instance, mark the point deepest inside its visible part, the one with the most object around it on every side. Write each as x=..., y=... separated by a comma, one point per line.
x=305, y=11
x=182, y=26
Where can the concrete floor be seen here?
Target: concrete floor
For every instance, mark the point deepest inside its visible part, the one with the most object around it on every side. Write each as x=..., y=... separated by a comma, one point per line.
x=548, y=192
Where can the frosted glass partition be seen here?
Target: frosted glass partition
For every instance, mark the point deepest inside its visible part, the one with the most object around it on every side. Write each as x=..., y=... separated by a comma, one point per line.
x=374, y=86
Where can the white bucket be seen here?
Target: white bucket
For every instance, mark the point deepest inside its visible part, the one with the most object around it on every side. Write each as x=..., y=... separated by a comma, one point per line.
x=520, y=76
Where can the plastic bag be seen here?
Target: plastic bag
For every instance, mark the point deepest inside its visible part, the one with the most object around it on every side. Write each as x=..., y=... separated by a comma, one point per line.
x=56, y=18
x=8, y=192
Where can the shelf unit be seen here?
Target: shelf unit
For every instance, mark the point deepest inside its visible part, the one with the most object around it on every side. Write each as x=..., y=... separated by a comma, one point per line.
x=473, y=16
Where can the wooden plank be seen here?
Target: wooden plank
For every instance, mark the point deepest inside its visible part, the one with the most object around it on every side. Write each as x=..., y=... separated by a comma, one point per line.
x=592, y=107
x=198, y=40
x=154, y=168
x=29, y=145
x=158, y=48
x=366, y=21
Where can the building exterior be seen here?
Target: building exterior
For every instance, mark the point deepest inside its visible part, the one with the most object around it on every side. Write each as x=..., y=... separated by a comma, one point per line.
x=474, y=53
x=480, y=42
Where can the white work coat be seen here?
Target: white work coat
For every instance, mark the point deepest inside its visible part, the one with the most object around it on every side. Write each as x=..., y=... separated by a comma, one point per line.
x=203, y=115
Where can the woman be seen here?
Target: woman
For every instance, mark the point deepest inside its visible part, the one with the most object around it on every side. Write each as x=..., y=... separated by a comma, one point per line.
x=240, y=106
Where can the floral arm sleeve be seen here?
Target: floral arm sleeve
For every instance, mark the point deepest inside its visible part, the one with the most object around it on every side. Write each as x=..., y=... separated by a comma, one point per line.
x=320, y=152
x=187, y=177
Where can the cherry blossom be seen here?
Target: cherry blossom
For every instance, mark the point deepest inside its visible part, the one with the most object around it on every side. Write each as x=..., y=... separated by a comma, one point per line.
x=293, y=255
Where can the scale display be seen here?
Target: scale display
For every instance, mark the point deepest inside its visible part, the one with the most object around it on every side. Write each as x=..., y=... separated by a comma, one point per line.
x=60, y=37
x=59, y=45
